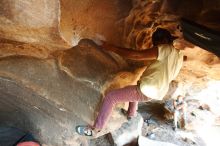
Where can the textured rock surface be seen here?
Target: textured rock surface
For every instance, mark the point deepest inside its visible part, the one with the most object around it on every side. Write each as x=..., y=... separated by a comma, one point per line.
x=35, y=21
x=89, y=19
x=61, y=23
x=46, y=91
x=143, y=141
x=128, y=132
x=39, y=96
x=48, y=88
x=146, y=16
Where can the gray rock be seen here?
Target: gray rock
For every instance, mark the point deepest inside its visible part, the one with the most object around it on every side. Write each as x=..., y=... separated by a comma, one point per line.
x=143, y=141
x=40, y=97
x=128, y=132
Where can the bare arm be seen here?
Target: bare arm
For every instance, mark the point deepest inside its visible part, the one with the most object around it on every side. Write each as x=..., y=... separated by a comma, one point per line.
x=148, y=54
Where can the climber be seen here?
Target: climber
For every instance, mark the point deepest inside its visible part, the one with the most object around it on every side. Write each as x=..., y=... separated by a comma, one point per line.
x=153, y=84
x=179, y=112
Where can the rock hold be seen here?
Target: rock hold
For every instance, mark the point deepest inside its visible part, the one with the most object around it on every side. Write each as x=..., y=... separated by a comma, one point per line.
x=128, y=132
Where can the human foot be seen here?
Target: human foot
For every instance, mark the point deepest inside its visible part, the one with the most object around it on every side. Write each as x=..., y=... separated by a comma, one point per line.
x=124, y=112
x=84, y=130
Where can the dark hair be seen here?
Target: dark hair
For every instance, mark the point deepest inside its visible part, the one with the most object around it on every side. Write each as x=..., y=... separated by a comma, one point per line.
x=161, y=36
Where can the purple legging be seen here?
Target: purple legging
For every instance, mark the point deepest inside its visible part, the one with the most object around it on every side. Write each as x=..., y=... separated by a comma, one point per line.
x=130, y=94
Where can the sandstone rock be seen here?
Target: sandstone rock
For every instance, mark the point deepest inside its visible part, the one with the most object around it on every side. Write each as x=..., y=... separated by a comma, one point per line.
x=35, y=21
x=89, y=19
x=61, y=23
x=48, y=91
x=14, y=48
x=143, y=141
x=128, y=132
x=146, y=16
x=40, y=97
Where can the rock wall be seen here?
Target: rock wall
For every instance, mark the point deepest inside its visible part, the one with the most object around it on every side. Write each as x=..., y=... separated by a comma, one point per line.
x=50, y=97
x=48, y=86
x=35, y=21
x=93, y=18
x=146, y=16
x=61, y=23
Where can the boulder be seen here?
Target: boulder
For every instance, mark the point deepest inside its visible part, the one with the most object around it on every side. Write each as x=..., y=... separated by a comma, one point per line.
x=41, y=97
x=128, y=132
x=143, y=141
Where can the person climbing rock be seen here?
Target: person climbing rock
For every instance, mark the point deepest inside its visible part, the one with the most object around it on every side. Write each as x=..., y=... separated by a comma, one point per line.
x=153, y=84
x=175, y=110
x=179, y=112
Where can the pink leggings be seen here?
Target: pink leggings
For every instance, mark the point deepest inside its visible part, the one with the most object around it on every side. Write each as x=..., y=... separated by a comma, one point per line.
x=131, y=94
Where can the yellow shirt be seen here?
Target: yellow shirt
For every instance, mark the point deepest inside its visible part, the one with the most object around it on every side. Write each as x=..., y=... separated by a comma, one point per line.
x=154, y=82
